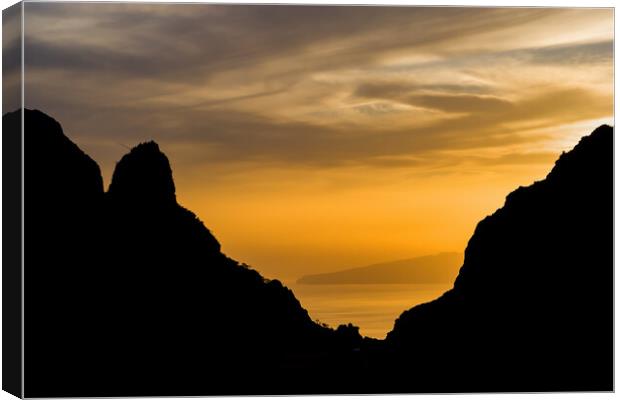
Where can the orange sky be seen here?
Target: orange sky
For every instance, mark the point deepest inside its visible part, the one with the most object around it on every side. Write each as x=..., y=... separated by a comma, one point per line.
x=311, y=139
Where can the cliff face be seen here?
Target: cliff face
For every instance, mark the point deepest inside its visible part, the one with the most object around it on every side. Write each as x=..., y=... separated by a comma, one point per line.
x=531, y=308
x=63, y=195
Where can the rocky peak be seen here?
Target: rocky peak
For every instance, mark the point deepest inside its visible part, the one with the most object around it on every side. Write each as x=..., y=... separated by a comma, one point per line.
x=143, y=175
x=66, y=176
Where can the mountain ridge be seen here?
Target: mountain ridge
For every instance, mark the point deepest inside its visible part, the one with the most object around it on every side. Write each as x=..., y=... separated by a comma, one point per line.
x=515, y=297
x=131, y=257
x=128, y=296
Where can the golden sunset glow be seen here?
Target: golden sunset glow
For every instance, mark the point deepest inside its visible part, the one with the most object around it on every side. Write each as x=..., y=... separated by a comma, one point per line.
x=314, y=139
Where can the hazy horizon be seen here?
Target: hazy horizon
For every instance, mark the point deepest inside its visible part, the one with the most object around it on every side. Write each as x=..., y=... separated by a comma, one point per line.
x=312, y=139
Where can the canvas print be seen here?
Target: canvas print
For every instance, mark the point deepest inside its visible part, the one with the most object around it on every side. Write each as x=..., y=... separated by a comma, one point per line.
x=219, y=199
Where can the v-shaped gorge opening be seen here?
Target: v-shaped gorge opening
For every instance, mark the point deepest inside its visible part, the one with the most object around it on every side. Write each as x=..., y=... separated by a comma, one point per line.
x=131, y=275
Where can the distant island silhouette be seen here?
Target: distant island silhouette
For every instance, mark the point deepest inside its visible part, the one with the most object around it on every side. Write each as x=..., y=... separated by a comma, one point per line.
x=433, y=269
x=127, y=293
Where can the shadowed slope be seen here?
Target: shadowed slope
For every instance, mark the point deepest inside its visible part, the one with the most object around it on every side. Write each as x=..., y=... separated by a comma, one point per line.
x=127, y=292
x=531, y=308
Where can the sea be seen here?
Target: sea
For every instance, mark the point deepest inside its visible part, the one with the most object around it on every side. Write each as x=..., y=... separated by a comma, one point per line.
x=371, y=307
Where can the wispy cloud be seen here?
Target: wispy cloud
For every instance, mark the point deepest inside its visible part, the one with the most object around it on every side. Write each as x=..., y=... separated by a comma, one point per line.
x=305, y=85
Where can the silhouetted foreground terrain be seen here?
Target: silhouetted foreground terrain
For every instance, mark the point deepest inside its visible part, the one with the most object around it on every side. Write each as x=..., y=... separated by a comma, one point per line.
x=128, y=293
x=438, y=268
x=532, y=306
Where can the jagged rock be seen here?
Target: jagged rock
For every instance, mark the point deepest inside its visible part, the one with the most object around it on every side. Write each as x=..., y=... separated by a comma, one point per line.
x=143, y=176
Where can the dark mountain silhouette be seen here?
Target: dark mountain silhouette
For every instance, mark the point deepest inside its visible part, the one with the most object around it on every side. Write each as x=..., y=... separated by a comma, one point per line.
x=63, y=193
x=438, y=268
x=532, y=306
x=128, y=293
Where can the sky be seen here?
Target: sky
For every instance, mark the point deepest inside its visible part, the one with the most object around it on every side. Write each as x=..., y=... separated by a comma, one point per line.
x=311, y=139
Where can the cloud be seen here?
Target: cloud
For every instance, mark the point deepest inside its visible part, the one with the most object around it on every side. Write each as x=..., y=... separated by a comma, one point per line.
x=600, y=52
x=312, y=86
x=399, y=89
x=230, y=136
x=460, y=103
x=207, y=39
